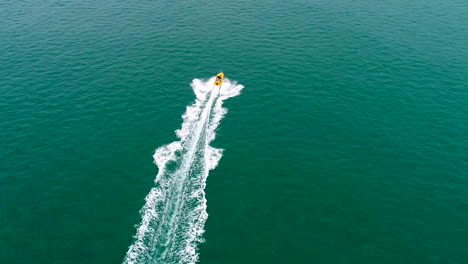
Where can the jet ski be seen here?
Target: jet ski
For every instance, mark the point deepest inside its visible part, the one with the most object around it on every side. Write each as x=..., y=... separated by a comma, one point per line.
x=219, y=79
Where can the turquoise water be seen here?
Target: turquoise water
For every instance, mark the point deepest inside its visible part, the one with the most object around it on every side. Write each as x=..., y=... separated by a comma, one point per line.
x=348, y=143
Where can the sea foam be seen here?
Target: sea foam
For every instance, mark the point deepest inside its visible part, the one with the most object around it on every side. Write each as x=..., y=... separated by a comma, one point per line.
x=174, y=215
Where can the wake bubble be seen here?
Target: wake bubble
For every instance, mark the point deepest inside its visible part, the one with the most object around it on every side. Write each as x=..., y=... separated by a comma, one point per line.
x=174, y=215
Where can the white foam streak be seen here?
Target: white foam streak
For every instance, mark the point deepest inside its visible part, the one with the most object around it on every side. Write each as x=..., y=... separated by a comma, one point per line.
x=174, y=214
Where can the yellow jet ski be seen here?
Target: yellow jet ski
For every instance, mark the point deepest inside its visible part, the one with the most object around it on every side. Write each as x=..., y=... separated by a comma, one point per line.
x=219, y=79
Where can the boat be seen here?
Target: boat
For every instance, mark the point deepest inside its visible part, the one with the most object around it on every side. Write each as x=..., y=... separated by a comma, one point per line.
x=219, y=79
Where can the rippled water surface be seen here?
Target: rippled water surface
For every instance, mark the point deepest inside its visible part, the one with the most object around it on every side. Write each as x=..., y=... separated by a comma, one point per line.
x=348, y=144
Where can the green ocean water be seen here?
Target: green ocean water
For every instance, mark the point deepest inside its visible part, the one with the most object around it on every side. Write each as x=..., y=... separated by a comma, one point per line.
x=348, y=144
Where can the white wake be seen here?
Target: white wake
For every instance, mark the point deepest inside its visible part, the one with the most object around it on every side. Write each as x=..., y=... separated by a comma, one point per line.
x=175, y=211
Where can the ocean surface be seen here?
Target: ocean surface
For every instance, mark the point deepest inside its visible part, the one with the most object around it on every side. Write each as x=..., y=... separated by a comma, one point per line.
x=344, y=140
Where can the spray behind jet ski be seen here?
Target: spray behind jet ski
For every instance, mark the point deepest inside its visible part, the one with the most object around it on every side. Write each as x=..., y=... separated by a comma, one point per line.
x=174, y=214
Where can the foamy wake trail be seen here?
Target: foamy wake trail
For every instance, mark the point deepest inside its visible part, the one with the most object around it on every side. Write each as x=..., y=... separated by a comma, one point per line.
x=175, y=211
